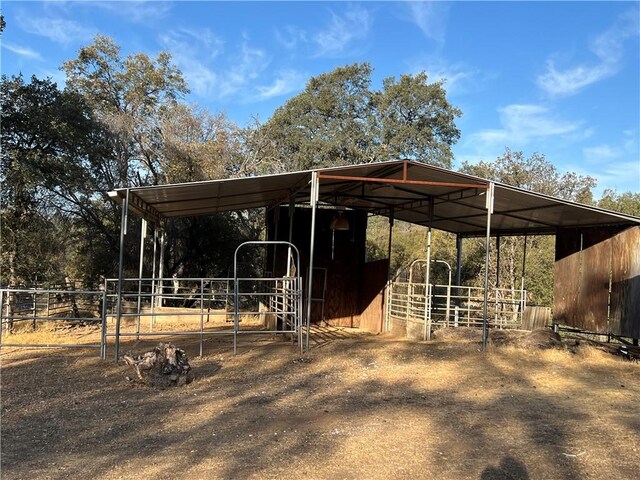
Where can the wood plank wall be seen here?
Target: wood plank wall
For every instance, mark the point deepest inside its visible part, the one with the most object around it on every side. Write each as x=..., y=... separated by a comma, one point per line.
x=597, y=280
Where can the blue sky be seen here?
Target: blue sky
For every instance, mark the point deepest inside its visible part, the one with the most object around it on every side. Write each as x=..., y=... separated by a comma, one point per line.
x=561, y=79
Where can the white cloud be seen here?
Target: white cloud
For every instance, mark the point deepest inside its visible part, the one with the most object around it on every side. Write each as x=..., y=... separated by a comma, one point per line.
x=141, y=11
x=343, y=32
x=287, y=81
x=608, y=47
x=22, y=51
x=616, y=166
x=522, y=124
x=431, y=18
x=291, y=36
x=202, y=40
x=59, y=30
x=572, y=80
x=456, y=76
x=211, y=69
x=602, y=153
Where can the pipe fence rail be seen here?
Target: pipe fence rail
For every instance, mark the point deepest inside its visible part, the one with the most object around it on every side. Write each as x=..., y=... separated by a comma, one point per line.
x=23, y=309
x=147, y=307
x=456, y=305
x=410, y=299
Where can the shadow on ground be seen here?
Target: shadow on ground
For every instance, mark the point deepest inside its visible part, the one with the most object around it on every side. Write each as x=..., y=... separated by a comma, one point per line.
x=357, y=406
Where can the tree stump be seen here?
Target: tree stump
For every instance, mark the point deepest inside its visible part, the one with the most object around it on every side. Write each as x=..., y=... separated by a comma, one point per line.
x=164, y=366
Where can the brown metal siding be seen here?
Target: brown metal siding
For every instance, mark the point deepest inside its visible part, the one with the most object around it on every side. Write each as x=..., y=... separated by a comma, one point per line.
x=372, y=304
x=625, y=284
x=608, y=258
x=567, y=277
x=593, y=297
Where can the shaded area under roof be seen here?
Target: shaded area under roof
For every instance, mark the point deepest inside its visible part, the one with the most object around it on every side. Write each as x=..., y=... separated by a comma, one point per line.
x=413, y=191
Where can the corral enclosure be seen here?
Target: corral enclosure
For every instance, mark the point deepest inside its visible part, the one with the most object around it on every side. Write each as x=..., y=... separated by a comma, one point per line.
x=329, y=281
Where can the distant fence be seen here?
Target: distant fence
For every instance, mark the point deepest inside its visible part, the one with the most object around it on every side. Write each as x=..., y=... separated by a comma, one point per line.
x=22, y=308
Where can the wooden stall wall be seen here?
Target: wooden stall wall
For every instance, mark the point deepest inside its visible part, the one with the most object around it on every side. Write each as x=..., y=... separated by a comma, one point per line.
x=375, y=276
x=566, y=275
x=597, y=280
x=624, y=317
x=339, y=255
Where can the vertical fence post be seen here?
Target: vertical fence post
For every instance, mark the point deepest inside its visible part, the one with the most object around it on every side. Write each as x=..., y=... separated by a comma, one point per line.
x=314, y=201
x=35, y=309
x=143, y=235
x=427, y=297
x=468, y=306
x=201, y=315
x=103, y=335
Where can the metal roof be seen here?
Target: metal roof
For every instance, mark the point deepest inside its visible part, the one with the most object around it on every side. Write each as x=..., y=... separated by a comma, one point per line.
x=414, y=192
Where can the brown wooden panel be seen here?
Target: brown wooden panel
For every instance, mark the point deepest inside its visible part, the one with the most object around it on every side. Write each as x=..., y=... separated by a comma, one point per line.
x=374, y=277
x=593, y=296
x=566, y=288
x=581, y=287
x=625, y=286
x=535, y=317
x=341, y=253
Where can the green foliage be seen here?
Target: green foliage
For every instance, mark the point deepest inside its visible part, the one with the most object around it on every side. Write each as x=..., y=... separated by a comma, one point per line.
x=48, y=138
x=627, y=202
x=416, y=121
x=535, y=173
x=129, y=95
x=340, y=120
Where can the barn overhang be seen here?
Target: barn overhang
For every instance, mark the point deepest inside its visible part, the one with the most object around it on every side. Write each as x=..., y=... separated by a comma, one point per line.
x=406, y=190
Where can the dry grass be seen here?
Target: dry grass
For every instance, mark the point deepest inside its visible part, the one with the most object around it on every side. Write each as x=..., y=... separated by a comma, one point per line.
x=357, y=406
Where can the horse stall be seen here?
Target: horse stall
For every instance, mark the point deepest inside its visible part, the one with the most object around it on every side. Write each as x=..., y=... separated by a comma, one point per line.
x=346, y=290
x=315, y=270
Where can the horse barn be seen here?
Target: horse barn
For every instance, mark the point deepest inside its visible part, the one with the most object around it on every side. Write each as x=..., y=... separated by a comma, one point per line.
x=316, y=271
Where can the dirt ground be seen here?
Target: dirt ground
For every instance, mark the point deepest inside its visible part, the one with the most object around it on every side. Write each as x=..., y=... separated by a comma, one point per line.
x=357, y=406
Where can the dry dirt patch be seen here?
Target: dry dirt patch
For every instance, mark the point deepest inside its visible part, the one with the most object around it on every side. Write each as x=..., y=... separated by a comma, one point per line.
x=357, y=406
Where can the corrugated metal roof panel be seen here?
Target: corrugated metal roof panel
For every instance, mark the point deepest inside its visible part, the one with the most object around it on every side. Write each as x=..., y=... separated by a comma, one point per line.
x=459, y=200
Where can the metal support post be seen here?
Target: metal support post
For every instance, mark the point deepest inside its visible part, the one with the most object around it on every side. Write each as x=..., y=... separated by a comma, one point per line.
x=458, y=265
x=385, y=307
x=103, y=335
x=153, y=273
x=498, y=261
x=524, y=267
x=163, y=238
x=427, y=297
x=201, y=315
x=314, y=202
x=485, y=322
x=143, y=235
x=123, y=232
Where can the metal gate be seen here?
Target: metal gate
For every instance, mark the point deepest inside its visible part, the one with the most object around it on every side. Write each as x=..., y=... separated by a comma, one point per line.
x=411, y=301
